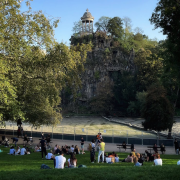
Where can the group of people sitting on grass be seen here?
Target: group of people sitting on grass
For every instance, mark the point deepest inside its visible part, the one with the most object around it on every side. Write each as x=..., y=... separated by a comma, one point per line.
x=19, y=151
x=138, y=158
x=60, y=160
x=66, y=149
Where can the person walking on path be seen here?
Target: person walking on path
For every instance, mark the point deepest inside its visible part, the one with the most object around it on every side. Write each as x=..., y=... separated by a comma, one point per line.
x=43, y=147
x=82, y=145
x=15, y=140
x=101, y=151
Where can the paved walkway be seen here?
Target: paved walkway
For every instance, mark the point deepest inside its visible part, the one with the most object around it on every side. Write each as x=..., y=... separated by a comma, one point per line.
x=109, y=146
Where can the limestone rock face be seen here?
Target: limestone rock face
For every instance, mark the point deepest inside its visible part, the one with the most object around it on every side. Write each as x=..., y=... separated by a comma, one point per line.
x=104, y=59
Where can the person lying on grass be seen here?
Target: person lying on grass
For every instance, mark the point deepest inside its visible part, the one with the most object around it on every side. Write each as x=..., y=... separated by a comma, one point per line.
x=72, y=161
x=136, y=163
x=129, y=158
x=158, y=160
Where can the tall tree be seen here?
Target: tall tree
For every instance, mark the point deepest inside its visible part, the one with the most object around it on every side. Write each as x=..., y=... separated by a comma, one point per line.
x=115, y=27
x=102, y=23
x=157, y=110
x=165, y=16
x=34, y=67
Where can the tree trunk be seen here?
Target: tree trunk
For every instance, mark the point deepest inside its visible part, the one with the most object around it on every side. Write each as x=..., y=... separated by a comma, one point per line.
x=174, y=106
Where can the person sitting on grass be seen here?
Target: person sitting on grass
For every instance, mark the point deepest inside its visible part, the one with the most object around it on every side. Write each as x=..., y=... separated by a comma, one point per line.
x=112, y=157
x=12, y=150
x=129, y=158
x=72, y=148
x=23, y=150
x=72, y=161
x=37, y=148
x=59, y=161
x=150, y=157
x=55, y=148
x=28, y=151
x=116, y=158
x=139, y=156
x=76, y=150
x=136, y=163
x=133, y=153
x=50, y=155
x=158, y=160
x=113, y=154
x=18, y=151
x=58, y=150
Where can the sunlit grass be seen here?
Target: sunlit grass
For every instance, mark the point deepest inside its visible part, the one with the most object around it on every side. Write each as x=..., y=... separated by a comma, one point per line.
x=28, y=167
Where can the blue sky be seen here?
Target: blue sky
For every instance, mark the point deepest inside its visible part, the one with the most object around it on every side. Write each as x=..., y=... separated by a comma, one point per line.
x=69, y=11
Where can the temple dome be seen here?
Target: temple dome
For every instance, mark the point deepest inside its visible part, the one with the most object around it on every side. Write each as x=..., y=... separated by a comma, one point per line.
x=87, y=16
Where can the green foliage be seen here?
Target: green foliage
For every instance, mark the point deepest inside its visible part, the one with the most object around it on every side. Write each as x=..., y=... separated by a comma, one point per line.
x=103, y=97
x=115, y=27
x=157, y=110
x=85, y=39
x=165, y=17
x=102, y=24
x=149, y=66
x=34, y=68
x=135, y=107
x=96, y=75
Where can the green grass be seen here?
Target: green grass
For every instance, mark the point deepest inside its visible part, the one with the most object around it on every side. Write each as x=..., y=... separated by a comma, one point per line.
x=27, y=167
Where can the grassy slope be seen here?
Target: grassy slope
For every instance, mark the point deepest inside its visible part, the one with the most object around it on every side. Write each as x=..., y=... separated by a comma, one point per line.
x=28, y=167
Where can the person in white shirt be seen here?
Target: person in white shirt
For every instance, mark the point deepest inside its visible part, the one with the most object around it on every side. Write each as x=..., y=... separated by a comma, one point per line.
x=59, y=161
x=49, y=155
x=12, y=150
x=72, y=161
x=72, y=148
x=158, y=160
x=23, y=151
x=116, y=158
x=18, y=150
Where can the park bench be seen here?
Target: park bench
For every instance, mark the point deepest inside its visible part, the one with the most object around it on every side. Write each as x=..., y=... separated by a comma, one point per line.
x=120, y=146
x=150, y=148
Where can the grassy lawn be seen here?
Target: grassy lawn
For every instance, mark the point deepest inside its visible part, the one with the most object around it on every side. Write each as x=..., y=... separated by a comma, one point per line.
x=27, y=167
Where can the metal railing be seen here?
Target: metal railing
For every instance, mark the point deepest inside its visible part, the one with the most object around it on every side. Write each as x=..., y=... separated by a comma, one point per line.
x=74, y=133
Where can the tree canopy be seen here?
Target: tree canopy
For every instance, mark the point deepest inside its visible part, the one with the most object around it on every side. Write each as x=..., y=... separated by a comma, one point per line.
x=34, y=68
